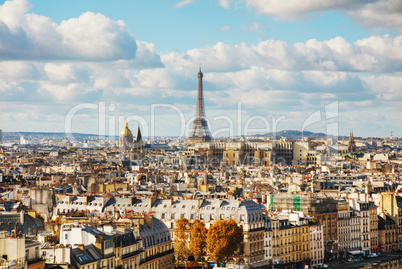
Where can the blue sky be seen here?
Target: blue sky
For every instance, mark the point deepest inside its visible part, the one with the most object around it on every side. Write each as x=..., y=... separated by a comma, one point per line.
x=201, y=22
x=279, y=60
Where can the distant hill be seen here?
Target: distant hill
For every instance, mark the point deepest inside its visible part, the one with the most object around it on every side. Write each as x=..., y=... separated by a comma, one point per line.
x=294, y=134
x=47, y=135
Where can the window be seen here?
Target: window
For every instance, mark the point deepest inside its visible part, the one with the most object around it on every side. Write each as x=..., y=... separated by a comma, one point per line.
x=66, y=236
x=108, y=244
x=201, y=216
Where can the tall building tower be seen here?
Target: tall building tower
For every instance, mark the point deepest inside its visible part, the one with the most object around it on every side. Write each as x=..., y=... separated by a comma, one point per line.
x=351, y=143
x=200, y=131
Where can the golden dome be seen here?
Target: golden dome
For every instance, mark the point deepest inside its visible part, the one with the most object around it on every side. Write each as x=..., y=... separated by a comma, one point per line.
x=126, y=131
x=126, y=138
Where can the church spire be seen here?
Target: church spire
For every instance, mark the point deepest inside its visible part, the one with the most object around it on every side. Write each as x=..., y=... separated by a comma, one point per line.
x=138, y=137
x=351, y=143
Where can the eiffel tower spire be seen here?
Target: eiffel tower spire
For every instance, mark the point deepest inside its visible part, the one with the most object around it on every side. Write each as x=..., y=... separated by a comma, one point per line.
x=200, y=131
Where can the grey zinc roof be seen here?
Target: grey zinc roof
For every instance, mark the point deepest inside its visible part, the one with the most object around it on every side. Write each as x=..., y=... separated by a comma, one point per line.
x=156, y=234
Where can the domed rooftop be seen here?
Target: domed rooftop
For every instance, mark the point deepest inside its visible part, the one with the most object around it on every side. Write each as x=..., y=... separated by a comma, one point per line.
x=126, y=131
x=126, y=138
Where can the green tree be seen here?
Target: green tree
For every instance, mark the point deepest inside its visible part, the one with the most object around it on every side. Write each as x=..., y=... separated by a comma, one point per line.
x=181, y=239
x=223, y=239
x=198, y=239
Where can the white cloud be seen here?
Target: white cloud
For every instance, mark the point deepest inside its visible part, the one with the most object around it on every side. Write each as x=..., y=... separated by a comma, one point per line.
x=380, y=13
x=91, y=37
x=291, y=8
x=9, y=88
x=183, y=3
x=225, y=28
x=374, y=54
x=146, y=56
x=61, y=73
x=19, y=70
x=373, y=13
x=96, y=37
x=253, y=27
x=387, y=88
x=225, y=3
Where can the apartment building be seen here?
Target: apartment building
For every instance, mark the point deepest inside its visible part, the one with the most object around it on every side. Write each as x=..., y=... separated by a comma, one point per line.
x=344, y=228
x=317, y=249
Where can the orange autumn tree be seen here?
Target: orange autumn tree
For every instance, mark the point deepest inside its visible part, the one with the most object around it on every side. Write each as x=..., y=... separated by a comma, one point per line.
x=223, y=239
x=181, y=236
x=198, y=239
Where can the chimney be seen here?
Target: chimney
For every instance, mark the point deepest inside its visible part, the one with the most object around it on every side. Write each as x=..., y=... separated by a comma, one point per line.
x=148, y=220
x=152, y=200
x=22, y=217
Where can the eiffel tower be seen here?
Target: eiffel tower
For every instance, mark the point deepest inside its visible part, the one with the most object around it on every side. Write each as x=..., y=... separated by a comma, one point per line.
x=200, y=131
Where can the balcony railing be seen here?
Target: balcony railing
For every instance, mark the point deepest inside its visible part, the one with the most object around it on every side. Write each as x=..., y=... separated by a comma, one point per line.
x=257, y=229
x=131, y=254
x=158, y=255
